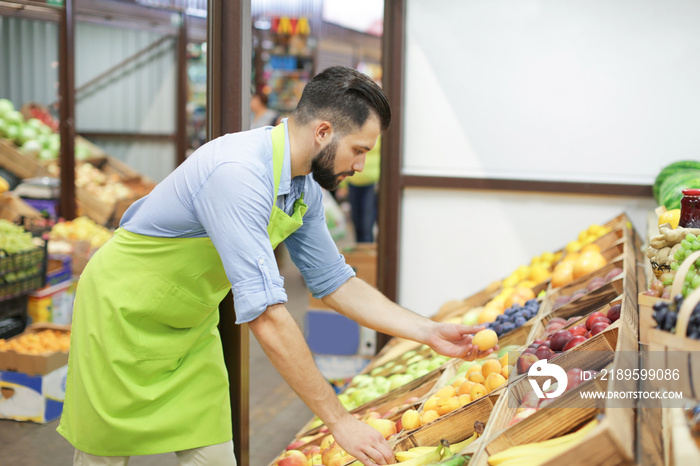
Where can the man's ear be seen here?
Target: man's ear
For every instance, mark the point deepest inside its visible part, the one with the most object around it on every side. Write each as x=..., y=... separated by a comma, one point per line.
x=323, y=132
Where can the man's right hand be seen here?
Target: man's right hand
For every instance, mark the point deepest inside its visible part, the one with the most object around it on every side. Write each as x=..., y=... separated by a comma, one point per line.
x=362, y=441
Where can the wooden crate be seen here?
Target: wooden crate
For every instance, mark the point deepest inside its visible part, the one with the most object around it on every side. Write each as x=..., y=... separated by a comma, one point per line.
x=681, y=447
x=19, y=164
x=454, y=427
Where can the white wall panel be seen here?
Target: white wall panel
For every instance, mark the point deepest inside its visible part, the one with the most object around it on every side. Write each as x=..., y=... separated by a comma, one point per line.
x=454, y=243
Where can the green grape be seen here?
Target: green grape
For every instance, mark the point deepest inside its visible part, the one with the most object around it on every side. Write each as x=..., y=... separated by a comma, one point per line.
x=678, y=255
x=695, y=245
x=685, y=244
x=689, y=276
x=691, y=237
x=697, y=262
x=696, y=282
x=674, y=265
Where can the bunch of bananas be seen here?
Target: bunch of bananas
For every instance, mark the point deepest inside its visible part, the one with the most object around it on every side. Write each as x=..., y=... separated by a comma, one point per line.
x=442, y=454
x=540, y=452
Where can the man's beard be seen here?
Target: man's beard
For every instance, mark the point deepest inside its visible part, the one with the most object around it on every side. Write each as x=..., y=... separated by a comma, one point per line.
x=322, y=167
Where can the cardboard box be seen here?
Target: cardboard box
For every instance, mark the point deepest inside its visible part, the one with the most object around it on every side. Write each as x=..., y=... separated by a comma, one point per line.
x=36, y=398
x=362, y=257
x=53, y=303
x=35, y=364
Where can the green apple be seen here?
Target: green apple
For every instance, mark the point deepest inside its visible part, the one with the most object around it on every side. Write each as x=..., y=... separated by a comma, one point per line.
x=414, y=359
x=399, y=380
x=471, y=317
x=381, y=385
x=398, y=369
x=409, y=354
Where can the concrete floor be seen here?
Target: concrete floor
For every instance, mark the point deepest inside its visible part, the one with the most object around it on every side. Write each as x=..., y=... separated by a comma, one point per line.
x=276, y=413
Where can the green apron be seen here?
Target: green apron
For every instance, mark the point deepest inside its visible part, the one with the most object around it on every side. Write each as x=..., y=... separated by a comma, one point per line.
x=146, y=372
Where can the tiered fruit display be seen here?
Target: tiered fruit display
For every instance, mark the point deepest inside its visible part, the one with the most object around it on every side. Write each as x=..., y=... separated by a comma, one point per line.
x=564, y=339
x=540, y=452
x=45, y=341
x=82, y=229
x=666, y=314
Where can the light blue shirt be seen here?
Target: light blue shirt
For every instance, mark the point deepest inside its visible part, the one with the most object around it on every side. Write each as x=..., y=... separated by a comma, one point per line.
x=224, y=191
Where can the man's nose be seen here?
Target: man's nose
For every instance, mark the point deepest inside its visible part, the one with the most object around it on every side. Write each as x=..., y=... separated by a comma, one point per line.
x=359, y=164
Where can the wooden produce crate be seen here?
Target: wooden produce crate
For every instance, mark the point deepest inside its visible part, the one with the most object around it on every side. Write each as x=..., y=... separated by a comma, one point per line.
x=454, y=427
x=19, y=164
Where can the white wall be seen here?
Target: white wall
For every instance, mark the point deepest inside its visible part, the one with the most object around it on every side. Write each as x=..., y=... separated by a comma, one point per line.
x=602, y=91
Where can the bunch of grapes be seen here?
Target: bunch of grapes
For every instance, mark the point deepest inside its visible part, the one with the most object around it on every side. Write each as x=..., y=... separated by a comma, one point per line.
x=666, y=314
x=689, y=245
x=514, y=317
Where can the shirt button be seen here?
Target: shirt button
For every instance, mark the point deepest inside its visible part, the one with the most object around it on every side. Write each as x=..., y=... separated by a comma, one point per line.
x=261, y=261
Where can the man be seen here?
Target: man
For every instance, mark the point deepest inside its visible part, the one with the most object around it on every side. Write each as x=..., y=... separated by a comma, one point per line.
x=260, y=114
x=146, y=372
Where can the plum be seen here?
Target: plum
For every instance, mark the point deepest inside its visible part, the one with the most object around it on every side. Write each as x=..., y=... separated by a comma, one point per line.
x=560, y=339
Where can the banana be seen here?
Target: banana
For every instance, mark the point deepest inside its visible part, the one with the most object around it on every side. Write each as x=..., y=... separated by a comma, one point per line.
x=422, y=450
x=538, y=452
x=407, y=455
x=457, y=447
x=434, y=456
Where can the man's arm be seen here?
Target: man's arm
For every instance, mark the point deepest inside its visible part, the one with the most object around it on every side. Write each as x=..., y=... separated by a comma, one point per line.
x=284, y=344
x=365, y=305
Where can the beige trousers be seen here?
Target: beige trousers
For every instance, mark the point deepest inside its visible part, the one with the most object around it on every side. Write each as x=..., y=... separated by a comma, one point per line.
x=213, y=455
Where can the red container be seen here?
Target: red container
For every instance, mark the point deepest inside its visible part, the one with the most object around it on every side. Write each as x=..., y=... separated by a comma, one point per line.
x=690, y=209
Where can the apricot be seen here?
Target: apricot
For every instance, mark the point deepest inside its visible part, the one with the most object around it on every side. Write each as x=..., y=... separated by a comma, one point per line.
x=465, y=388
x=493, y=381
x=410, y=419
x=491, y=366
x=474, y=368
x=587, y=263
x=446, y=405
x=478, y=390
x=506, y=371
x=446, y=392
x=485, y=339
x=429, y=416
x=430, y=404
x=476, y=377
x=458, y=381
x=464, y=399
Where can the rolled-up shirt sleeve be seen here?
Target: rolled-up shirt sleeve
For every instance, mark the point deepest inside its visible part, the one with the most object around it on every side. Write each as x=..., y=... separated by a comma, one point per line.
x=313, y=250
x=233, y=206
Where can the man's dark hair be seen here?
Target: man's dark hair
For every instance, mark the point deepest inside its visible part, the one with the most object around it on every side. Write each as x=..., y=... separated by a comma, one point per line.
x=345, y=97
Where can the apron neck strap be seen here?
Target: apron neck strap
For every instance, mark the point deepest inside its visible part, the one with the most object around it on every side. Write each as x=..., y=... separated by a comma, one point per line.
x=277, y=135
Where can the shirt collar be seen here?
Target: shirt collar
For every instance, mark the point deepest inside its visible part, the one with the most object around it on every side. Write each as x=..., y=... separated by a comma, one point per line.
x=286, y=178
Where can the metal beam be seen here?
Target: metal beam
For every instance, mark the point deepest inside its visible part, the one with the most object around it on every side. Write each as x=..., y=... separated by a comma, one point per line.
x=181, y=144
x=228, y=102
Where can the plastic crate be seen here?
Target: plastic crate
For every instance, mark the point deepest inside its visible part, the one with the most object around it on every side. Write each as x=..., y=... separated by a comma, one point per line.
x=22, y=272
x=13, y=316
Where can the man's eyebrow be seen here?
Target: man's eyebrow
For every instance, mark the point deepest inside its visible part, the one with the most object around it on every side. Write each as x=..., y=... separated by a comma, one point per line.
x=367, y=149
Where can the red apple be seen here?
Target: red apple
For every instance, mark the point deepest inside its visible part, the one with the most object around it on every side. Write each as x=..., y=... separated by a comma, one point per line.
x=592, y=317
x=614, y=312
x=525, y=361
x=578, y=330
x=311, y=450
x=600, y=319
x=560, y=339
x=292, y=458
x=529, y=350
x=295, y=445
x=577, y=340
x=599, y=327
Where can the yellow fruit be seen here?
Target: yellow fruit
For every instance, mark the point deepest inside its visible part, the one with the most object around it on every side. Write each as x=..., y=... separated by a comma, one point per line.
x=570, y=257
x=474, y=368
x=465, y=388
x=573, y=246
x=446, y=392
x=476, y=377
x=485, y=339
x=563, y=274
x=590, y=248
x=672, y=217
x=478, y=390
x=539, y=273
x=4, y=185
x=446, y=405
x=429, y=416
x=493, y=381
x=587, y=263
x=491, y=366
x=458, y=381
x=410, y=419
x=430, y=404
x=490, y=313
x=326, y=441
x=509, y=358
x=506, y=371
x=464, y=399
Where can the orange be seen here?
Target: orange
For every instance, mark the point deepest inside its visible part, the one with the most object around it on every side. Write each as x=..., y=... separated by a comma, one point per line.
x=588, y=263
x=562, y=276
